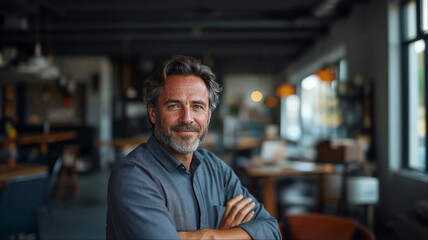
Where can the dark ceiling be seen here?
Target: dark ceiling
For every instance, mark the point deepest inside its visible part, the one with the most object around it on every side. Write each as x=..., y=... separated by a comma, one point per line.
x=278, y=31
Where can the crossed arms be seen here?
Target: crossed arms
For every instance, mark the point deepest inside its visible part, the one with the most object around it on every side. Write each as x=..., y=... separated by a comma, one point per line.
x=238, y=210
x=137, y=208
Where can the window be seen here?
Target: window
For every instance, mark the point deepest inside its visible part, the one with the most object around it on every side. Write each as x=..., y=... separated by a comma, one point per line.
x=424, y=15
x=320, y=114
x=409, y=18
x=290, y=125
x=414, y=60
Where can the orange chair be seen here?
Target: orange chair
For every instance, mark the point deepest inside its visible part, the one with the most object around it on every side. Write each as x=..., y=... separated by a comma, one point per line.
x=323, y=227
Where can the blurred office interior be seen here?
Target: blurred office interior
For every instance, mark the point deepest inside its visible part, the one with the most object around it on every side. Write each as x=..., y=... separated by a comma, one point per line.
x=323, y=108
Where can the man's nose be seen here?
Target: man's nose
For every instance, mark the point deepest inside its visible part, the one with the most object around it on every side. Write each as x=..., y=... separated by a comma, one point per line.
x=187, y=115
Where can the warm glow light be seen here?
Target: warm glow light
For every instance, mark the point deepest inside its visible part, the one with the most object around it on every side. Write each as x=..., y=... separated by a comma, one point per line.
x=271, y=102
x=285, y=90
x=326, y=74
x=256, y=96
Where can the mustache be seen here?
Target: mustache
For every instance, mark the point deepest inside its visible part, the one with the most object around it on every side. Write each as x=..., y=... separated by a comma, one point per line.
x=185, y=127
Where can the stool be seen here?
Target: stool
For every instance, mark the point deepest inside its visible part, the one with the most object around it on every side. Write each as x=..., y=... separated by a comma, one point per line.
x=68, y=173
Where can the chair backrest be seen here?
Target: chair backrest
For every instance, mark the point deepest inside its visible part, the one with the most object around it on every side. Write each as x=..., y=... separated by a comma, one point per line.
x=323, y=227
x=69, y=155
x=20, y=198
x=53, y=179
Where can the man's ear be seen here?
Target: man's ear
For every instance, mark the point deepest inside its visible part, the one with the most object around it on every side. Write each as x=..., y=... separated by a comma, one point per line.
x=152, y=113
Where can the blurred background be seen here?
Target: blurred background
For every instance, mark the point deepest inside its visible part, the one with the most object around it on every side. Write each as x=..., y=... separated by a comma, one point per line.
x=323, y=108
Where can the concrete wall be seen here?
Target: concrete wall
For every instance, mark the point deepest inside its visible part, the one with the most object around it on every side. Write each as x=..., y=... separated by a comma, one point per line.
x=368, y=39
x=240, y=86
x=97, y=74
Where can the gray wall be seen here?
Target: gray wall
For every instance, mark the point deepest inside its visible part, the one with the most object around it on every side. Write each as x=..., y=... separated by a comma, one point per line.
x=368, y=39
x=99, y=108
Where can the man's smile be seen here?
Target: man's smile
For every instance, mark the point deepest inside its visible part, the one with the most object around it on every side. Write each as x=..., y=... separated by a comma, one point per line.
x=186, y=132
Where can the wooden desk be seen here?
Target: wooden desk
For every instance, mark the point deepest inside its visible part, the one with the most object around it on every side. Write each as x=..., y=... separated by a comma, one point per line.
x=130, y=142
x=269, y=173
x=123, y=145
x=18, y=170
x=42, y=139
x=123, y=142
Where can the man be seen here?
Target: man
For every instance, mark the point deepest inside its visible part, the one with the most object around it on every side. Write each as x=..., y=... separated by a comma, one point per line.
x=166, y=188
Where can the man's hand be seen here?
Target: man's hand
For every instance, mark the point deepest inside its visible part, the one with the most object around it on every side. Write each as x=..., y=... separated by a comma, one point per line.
x=238, y=210
x=233, y=233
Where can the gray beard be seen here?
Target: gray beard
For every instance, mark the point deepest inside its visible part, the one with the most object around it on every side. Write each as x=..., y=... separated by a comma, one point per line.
x=170, y=141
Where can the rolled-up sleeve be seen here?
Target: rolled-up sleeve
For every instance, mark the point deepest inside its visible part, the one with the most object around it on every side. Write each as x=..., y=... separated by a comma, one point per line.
x=136, y=209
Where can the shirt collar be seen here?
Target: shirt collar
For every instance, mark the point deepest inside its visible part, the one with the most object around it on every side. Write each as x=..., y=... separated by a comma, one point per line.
x=168, y=161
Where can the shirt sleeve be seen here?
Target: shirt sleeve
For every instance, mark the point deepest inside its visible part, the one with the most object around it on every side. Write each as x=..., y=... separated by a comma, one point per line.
x=263, y=225
x=136, y=209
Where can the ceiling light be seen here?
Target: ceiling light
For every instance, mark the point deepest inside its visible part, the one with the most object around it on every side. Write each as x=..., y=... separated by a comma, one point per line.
x=285, y=90
x=38, y=64
x=256, y=96
x=271, y=102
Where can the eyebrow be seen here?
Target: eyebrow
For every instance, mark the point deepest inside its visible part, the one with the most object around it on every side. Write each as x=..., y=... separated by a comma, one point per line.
x=171, y=101
x=203, y=103
x=200, y=103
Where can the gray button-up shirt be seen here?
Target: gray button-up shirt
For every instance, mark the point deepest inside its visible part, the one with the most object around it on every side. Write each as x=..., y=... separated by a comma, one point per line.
x=152, y=196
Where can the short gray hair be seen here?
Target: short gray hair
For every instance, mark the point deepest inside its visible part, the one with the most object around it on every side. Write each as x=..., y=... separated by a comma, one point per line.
x=185, y=66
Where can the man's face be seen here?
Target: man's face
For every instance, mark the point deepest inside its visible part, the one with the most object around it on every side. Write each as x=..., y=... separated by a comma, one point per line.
x=183, y=113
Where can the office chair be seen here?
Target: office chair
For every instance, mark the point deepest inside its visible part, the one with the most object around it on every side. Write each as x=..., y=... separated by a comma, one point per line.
x=19, y=201
x=53, y=180
x=68, y=171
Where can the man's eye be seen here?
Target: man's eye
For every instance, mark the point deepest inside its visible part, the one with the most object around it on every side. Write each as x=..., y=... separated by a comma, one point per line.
x=173, y=106
x=198, y=107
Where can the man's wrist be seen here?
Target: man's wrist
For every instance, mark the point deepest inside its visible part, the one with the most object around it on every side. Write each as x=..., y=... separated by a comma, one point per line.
x=198, y=234
x=233, y=233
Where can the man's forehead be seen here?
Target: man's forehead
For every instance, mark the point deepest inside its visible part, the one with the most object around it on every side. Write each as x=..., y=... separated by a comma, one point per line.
x=187, y=84
x=183, y=88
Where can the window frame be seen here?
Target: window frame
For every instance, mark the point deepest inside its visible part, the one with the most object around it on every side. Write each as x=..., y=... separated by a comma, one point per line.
x=405, y=43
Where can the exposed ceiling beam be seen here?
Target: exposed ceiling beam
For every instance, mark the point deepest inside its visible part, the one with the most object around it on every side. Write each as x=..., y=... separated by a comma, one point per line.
x=163, y=48
x=249, y=29
x=113, y=5
x=170, y=36
x=306, y=23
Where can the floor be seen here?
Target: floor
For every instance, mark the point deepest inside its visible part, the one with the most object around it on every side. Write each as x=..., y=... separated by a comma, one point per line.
x=78, y=218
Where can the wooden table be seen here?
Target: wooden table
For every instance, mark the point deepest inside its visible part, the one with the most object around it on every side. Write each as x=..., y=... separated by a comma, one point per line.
x=123, y=146
x=39, y=138
x=44, y=139
x=19, y=170
x=269, y=173
x=123, y=142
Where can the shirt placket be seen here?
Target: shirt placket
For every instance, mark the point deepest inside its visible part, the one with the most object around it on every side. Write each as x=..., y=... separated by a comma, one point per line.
x=203, y=223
